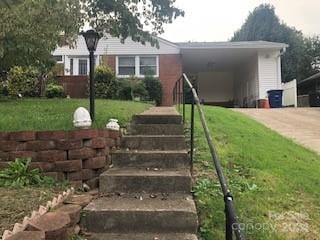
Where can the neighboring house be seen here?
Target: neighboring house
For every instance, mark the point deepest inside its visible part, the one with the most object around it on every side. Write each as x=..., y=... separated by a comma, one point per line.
x=226, y=73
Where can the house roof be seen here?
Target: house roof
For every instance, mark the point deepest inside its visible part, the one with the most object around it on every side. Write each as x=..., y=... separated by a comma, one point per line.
x=309, y=79
x=221, y=45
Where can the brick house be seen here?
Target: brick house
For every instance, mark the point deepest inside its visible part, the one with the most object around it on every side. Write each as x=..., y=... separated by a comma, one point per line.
x=226, y=73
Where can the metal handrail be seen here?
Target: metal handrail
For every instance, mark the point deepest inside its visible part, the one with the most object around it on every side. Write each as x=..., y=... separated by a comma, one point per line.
x=232, y=220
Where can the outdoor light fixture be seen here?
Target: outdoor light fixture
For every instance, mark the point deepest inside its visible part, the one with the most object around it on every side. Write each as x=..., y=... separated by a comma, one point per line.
x=92, y=38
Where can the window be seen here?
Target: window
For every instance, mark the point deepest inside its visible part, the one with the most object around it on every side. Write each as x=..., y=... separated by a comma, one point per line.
x=127, y=66
x=71, y=66
x=83, y=67
x=148, y=65
x=58, y=58
x=138, y=66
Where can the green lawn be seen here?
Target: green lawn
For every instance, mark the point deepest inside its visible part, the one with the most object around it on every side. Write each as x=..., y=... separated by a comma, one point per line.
x=275, y=182
x=57, y=114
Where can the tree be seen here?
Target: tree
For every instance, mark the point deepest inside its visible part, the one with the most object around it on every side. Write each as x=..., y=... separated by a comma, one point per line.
x=264, y=24
x=31, y=29
x=138, y=19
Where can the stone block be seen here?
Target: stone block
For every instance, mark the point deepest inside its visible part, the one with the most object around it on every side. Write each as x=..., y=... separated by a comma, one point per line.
x=51, y=156
x=95, y=163
x=51, y=135
x=73, y=211
x=40, y=145
x=83, y=134
x=82, y=153
x=69, y=144
x=68, y=165
x=22, y=155
x=53, y=224
x=95, y=143
x=22, y=136
x=43, y=166
x=28, y=235
x=8, y=146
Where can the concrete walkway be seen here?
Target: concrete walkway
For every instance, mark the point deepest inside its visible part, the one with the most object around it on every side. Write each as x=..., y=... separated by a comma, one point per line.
x=300, y=124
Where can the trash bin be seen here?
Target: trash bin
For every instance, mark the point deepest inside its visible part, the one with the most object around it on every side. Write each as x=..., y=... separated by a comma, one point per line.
x=314, y=99
x=275, y=98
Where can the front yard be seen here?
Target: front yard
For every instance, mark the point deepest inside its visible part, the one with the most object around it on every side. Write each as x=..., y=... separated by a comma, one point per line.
x=275, y=182
x=45, y=114
x=57, y=114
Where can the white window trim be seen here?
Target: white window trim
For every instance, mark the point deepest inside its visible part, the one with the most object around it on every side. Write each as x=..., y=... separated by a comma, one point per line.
x=62, y=58
x=137, y=66
x=88, y=66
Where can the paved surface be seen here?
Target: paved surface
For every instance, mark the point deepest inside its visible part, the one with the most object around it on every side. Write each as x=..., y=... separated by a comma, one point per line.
x=163, y=111
x=300, y=124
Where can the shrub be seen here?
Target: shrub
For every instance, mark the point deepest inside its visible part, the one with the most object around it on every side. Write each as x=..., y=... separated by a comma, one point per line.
x=106, y=83
x=131, y=89
x=18, y=174
x=154, y=89
x=55, y=91
x=24, y=81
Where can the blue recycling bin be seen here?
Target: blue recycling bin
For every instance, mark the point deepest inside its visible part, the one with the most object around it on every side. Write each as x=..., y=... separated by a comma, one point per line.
x=275, y=98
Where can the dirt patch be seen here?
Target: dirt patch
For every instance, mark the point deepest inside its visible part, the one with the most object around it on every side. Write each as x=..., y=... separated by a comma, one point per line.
x=18, y=203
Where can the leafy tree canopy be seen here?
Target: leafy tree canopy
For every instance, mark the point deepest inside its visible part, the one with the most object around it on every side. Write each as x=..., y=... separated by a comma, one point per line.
x=31, y=29
x=300, y=59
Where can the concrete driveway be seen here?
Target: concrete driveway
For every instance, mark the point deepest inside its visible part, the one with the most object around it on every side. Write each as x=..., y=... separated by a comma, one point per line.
x=300, y=124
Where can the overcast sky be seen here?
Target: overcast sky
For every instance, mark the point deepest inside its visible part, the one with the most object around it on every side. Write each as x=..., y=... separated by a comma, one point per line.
x=216, y=20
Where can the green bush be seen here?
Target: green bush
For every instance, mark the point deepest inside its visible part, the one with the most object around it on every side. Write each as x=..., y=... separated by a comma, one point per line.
x=24, y=81
x=106, y=84
x=154, y=89
x=55, y=91
x=18, y=174
x=132, y=89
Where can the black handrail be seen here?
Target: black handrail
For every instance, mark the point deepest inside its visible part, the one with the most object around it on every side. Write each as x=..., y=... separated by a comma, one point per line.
x=179, y=96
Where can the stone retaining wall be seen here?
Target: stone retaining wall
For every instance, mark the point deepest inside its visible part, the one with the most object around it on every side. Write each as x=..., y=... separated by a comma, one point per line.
x=78, y=156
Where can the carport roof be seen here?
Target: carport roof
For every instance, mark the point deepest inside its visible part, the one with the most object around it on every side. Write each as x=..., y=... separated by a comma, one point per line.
x=224, y=45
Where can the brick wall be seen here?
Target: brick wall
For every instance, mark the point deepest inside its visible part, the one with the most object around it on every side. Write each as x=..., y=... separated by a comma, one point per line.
x=74, y=86
x=110, y=61
x=170, y=71
x=78, y=156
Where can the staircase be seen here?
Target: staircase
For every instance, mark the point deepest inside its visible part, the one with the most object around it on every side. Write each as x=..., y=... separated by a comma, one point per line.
x=146, y=195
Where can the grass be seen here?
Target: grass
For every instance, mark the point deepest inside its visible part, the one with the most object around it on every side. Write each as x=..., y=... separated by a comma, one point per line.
x=16, y=203
x=57, y=114
x=275, y=182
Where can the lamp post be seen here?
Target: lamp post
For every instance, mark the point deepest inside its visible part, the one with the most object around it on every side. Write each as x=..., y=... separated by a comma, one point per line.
x=92, y=38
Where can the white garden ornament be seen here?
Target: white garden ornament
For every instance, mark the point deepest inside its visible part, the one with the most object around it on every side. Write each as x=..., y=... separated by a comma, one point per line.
x=113, y=124
x=81, y=118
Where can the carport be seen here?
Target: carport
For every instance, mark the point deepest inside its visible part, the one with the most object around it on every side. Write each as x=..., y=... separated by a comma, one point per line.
x=233, y=73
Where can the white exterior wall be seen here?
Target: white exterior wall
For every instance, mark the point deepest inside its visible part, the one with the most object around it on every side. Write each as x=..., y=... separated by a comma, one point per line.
x=113, y=46
x=216, y=86
x=110, y=46
x=269, y=72
x=247, y=83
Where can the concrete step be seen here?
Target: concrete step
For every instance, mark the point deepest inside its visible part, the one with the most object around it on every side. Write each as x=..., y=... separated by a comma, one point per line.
x=157, y=119
x=130, y=214
x=142, y=236
x=154, y=142
x=151, y=159
x=156, y=129
x=142, y=180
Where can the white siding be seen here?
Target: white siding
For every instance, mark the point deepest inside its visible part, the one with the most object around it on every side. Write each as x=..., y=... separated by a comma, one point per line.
x=269, y=72
x=246, y=83
x=113, y=46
